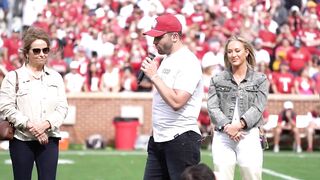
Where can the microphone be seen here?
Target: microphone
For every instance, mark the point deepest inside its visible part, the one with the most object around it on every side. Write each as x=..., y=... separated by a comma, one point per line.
x=141, y=73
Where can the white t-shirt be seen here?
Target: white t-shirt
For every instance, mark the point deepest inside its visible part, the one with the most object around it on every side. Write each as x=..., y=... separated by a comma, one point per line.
x=262, y=56
x=74, y=82
x=236, y=116
x=181, y=70
x=111, y=79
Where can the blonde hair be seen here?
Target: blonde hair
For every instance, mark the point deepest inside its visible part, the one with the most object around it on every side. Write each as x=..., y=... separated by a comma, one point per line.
x=251, y=60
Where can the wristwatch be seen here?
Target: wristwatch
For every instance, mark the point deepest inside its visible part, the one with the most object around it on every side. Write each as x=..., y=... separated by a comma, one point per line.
x=243, y=123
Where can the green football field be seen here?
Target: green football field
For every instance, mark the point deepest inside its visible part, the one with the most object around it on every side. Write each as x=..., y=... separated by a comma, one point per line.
x=120, y=165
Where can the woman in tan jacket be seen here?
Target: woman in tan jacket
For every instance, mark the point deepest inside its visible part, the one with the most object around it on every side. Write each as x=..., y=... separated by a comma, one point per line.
x=37, y=109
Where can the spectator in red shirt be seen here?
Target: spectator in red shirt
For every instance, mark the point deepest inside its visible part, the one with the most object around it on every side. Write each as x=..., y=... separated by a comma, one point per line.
x=285, y=33
x=205, y=125
x=57, y=63
x=310, y=34
x=133, y=20
x=197, y=18
x=12, y=44
x=68, y=47
x=287, y=121
x=74, y=9
x=232, y=25
x=264, y=68
x=298, y=58
x=201, y=46
x=268, y=38
x=316, y=77
x=295, y=19
x=304, y=84
x=41, y=22
x=128, y=80
x=15, y=62
x=137, y=52
x=283, y=82
x=214, y=30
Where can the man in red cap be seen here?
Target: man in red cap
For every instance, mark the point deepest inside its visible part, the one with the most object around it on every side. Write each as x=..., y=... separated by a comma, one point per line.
x=175, y=140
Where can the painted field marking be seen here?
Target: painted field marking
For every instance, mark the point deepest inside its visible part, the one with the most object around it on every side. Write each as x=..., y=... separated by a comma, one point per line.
x=60, y=161
x=144, y=153
x=279, y=175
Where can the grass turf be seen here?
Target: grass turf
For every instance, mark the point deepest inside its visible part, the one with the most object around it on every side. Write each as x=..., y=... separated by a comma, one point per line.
x=121, y=165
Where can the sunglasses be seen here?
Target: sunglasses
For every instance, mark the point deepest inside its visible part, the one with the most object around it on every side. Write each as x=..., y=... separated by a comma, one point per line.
x=36, y=51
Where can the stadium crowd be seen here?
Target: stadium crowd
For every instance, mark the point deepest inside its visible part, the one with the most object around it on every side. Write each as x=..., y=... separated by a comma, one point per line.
x=97, y=45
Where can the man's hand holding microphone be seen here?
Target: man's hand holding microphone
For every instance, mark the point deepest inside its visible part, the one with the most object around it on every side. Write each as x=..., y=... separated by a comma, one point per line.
x=148, y=68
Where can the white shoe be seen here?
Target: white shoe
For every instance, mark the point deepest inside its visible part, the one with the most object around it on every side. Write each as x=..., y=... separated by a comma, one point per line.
x=299, y=150
x=276, y=148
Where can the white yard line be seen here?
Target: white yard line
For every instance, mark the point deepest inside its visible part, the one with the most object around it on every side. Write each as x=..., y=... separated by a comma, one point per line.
x=144, y=153
x=279, y=175
x=60, y=161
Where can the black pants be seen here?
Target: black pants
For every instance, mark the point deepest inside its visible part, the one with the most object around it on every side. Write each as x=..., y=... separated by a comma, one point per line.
x=167, y=160
x=24, y=153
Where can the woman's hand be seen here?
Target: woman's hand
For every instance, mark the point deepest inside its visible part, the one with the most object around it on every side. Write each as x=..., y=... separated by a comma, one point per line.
x=37, y=129
x=232, y=129
x=238, y=136
x=43, y=139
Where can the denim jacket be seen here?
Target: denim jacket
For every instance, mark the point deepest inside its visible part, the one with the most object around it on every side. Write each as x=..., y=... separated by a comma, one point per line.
x=252, y=95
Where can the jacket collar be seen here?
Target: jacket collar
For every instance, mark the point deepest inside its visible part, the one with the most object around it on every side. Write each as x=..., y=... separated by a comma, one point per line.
x=248, y=77
x=46, y=70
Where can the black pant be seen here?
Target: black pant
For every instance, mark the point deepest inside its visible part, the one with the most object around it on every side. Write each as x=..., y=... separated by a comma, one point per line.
x=24, y=153
x=167, y=160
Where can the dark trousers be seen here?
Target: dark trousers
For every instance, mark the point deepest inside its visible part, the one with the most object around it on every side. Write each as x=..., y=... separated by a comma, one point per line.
x=24, y=153
x=167, y=160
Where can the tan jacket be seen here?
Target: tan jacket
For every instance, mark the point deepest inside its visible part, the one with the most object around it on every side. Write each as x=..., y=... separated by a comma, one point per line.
x=37, y=100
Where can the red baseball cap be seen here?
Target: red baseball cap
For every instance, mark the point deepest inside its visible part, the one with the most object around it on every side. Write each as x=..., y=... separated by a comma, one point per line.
x=164, y=24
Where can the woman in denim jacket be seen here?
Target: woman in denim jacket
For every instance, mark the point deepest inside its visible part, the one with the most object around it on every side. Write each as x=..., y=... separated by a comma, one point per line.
x=37, y=109
x=236, y=99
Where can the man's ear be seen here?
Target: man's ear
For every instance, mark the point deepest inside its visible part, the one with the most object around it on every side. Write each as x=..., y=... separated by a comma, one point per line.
x=175, y=37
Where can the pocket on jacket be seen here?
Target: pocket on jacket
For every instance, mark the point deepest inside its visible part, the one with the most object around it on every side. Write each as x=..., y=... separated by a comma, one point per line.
x=22, y=92
x=252, y=92
x=52, y=89
x=251, y=88
x=223, y=88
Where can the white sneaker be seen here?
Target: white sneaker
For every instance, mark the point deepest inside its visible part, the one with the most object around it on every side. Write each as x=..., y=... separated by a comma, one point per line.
x=276, y=148
x=299, y=150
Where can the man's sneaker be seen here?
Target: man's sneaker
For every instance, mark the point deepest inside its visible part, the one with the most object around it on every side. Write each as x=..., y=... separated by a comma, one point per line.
x=276, y=148
x=299, y=150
